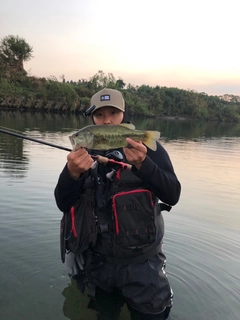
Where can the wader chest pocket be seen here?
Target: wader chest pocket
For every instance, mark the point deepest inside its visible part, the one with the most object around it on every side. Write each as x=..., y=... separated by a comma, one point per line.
x=79, y=225
x=134, y=218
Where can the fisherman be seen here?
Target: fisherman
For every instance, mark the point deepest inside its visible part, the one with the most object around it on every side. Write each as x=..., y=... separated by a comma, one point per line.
x=126, y=264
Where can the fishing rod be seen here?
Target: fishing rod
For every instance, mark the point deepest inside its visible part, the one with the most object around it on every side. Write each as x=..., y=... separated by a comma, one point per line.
x=100, y=159
x=22, y=136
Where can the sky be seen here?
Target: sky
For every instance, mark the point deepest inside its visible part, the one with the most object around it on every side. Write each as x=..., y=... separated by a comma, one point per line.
x=187, y=44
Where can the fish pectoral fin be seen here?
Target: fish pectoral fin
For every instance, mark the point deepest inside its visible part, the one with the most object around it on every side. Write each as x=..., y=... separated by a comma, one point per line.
x=128, y=125
x=151, y=138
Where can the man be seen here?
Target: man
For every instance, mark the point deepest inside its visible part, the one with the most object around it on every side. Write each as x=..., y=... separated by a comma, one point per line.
x=126, y=266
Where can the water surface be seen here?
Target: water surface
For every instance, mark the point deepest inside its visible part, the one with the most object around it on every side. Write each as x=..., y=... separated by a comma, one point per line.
x=202, y=231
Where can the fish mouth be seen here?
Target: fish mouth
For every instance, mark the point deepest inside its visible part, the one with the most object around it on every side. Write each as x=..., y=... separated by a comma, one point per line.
x=71, y=140
x=73, y=143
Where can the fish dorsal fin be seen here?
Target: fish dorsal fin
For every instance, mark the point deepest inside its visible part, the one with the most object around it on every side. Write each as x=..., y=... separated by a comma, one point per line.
x=128, y=125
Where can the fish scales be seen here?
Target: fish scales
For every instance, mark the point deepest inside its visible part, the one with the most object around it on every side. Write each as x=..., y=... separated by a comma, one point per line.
x=114, y=138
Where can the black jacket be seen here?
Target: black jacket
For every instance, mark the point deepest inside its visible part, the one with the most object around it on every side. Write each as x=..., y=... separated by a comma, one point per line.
x=156, y=172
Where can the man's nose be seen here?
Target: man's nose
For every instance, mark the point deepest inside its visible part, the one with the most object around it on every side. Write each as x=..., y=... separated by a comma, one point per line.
x=107, y=119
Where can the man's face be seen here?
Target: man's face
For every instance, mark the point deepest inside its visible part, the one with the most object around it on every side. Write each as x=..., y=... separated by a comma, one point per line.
x=108, y=115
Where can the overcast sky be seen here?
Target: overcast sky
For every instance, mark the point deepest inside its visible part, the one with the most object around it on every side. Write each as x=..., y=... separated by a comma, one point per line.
x=185, y=44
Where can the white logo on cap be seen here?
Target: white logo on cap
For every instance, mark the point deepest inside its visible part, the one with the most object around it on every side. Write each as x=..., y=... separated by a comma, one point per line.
x=105, y=97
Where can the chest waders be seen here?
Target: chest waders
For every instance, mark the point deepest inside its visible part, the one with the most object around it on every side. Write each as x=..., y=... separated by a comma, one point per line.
x=122, y=207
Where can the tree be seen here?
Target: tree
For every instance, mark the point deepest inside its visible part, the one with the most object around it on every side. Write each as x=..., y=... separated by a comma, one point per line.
x=15, y=50
x=100, y=80
x=120, y=84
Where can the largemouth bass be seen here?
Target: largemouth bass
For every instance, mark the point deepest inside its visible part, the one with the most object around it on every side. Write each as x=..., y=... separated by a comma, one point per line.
x=105, y=137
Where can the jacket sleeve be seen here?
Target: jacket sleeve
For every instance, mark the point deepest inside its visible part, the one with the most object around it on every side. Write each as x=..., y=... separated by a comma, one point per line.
x=158, y=174
x=67, y=190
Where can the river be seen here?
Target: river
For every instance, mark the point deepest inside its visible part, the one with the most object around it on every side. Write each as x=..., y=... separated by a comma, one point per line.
x=202, y=236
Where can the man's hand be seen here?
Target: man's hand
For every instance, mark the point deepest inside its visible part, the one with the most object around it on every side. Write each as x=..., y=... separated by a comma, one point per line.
x=137, y=154
x=78, y=162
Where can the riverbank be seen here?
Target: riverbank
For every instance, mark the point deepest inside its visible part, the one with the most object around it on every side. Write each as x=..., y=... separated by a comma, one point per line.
x=21, y=92
x=32, y=104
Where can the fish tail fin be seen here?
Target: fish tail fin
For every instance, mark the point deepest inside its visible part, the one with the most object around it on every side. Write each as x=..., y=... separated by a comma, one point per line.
x=151, y=138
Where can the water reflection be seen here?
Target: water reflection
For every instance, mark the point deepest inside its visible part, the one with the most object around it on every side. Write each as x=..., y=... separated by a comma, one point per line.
x=172, y=129
x=188, y=129
x=42, y=122
x=13, y=159
x=75, y=304
x=50, y=127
